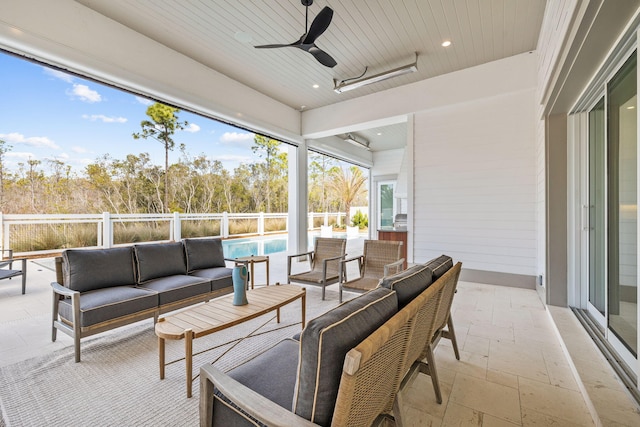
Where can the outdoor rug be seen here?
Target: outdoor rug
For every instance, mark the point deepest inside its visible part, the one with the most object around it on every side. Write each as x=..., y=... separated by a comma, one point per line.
x=118, y=383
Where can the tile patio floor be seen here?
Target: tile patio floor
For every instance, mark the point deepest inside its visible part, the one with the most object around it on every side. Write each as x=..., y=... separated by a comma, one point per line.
x=514, y=368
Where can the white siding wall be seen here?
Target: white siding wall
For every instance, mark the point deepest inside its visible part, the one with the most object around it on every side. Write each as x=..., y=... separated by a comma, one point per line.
x=476, y=186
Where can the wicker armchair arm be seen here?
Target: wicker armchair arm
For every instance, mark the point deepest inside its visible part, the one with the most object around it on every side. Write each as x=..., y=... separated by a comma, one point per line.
x=299, y=255
x=397, y=265
x=256, y=405
x=61, y=290
x=344, y=262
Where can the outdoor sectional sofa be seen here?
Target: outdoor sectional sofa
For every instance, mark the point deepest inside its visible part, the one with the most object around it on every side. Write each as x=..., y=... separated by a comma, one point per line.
x=347, y=365
x=101, y=289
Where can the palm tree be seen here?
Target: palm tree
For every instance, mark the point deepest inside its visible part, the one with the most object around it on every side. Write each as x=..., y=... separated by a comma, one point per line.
x=347, y=184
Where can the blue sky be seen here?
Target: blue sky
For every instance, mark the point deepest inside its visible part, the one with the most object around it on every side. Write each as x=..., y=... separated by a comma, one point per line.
x=46, y=114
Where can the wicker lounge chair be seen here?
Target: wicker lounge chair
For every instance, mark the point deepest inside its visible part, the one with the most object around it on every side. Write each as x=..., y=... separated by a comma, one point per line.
x=324, y=263
x=379, y=259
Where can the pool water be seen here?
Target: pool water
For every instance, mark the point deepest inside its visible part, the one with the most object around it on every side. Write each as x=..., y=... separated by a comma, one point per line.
x=236, y=248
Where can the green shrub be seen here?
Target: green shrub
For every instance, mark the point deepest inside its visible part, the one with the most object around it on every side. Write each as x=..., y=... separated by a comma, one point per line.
x=360, y=220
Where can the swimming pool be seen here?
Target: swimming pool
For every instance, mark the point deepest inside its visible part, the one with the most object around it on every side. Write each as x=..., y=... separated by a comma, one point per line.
x=236, y=248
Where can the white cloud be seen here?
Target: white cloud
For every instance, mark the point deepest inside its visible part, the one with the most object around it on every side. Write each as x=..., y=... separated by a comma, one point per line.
x=85, y=94
x=58, y=74
x=34, y=141
x=20, y=155
x=104, y=118
x=192, y=128
x=144, y=101
x=233, y=158
x=229, y=137
x=79, y=150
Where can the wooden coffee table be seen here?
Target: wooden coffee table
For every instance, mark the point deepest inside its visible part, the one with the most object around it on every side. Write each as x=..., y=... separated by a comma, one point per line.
x=219, y=314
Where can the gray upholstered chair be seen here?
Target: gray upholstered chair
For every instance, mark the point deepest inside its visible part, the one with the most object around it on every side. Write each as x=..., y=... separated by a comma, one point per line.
x=8, y=273
x=380, y=258
x=324, y=263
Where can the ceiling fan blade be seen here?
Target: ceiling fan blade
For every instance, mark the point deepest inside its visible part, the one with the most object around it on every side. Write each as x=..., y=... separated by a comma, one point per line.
x=319, y=25
x=273, y=46
x=323, y=57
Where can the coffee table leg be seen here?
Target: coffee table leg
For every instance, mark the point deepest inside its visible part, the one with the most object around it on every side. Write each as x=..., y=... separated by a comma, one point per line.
x=252, y=276
x=188, y=358
x=161, y=356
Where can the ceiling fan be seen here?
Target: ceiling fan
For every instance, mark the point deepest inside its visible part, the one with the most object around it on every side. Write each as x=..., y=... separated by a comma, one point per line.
x=307, y=41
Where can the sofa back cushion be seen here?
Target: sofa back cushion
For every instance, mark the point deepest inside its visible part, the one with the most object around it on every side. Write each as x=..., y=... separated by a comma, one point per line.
x=203, y=253
x=90, y=269
x=159, y=260
x=409, y=283
x=440, y=265
x=323, y=346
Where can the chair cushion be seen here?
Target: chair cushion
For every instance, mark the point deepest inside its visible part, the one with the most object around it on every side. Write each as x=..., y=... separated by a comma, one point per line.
x=100, y=305
x=323, y=346
x=159, y=260
x=220, y=277
x=176, y=288
x=203, y=253
x=409, y=283
x=440, y=265
x=90, y=269
x=276, y=383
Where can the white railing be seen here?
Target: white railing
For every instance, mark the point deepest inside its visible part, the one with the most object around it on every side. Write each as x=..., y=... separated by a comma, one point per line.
x=50, y=233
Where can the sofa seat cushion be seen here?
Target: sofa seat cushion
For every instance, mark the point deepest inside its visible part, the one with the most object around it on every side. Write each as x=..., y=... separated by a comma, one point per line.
x=323, y=346
x=90, y=269
x=440, y=265
x=177, y=288
x=109, y=303
x=220, y=277
x=203, y=253
x=409, y=283
x=159, y=260
x=272, y=373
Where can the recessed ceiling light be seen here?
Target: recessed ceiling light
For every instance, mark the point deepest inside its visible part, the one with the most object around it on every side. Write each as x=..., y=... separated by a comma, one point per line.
x=446, y=43
x=316, y=86
x=631, y=107
x=379, y=133
x=242, y=37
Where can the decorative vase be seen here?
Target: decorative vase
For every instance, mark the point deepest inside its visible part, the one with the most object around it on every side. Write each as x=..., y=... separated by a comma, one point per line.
x=239, y=277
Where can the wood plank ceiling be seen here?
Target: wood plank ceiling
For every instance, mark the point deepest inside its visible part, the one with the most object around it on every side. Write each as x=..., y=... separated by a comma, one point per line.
x=378, y=34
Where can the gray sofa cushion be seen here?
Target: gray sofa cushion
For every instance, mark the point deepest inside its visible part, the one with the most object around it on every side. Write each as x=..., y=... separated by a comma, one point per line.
x=203, y=253
x=323, y=346
x=90, y=269
x=409, y=283
x=276, y=383
x=109, y=303
x=440, y=265
x=159, y=260
x=220, y=277
x=278, y=380
x=176, y=288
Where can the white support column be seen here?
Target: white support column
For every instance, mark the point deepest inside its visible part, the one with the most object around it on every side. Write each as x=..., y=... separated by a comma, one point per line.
x=107, y=230
x=298, y=206
x=177, y=227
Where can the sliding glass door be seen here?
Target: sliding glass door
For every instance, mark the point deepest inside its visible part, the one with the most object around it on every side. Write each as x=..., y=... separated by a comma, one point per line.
x=612, y=280
x=622, y=209
x=597, y=213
